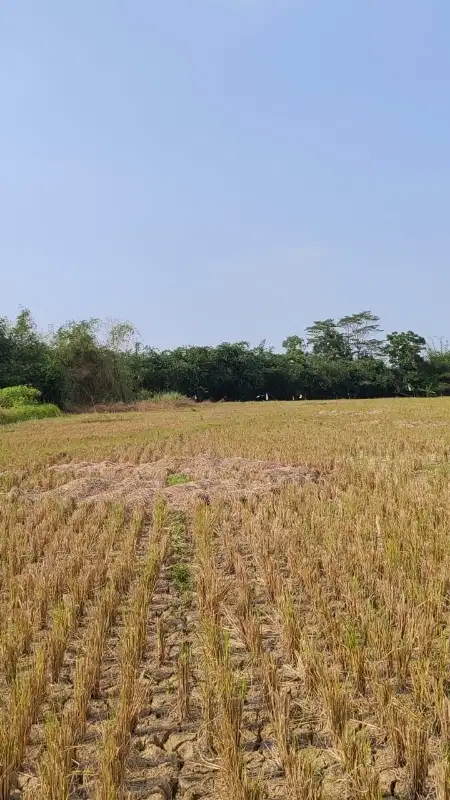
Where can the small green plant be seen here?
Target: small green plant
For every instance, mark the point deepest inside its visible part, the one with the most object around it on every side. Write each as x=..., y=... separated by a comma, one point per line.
x=175, y=479
x=178, y=532
x=182, y=576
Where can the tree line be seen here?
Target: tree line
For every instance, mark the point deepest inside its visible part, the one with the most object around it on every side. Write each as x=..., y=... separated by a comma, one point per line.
x=89, y=362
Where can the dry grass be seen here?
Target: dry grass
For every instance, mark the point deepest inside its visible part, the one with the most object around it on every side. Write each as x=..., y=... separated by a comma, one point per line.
x=158, y=402
x=274, y=625
x=182, y=482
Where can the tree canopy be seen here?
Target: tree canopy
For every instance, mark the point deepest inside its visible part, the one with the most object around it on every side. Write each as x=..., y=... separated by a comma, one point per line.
x=87, y=362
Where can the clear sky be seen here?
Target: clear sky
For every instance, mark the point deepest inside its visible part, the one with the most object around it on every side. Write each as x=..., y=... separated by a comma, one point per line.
x=225, y=169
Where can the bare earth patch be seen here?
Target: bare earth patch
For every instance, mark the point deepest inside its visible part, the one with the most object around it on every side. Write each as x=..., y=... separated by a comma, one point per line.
x=206, y=479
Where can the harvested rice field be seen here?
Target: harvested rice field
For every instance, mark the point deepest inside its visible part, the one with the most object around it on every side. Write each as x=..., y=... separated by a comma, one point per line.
x=231, y=601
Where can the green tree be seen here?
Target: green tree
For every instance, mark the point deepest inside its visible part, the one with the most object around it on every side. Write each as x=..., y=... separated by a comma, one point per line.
x=325, y=339
x=28, y=349
x=361, y=334
x=372, y=378
x=86, y=365
x=121, y=342
x=26, y=357
x=294, y=346
x=438, y=362
x=6, y=353
x=405, y=352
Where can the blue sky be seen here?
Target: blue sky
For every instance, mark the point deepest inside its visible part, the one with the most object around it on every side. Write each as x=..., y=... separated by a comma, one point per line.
x=225, y=169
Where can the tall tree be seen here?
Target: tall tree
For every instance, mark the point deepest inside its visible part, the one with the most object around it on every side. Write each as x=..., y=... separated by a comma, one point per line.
x=121, y=341
x=294, y=346
x=360, y=331
x=26, y=357
x=405, y=352
x=6, y=353
x=438, y=361
x=325, y=339
x=85, y=364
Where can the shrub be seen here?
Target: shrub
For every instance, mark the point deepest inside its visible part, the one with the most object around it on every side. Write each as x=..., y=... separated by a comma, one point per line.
x=160, y=397
x=21, y=413
x=13, y=396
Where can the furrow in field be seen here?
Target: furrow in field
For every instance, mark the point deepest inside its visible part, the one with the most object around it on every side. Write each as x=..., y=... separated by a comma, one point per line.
x=164, y=743
x=291, y=749
x=123, y=689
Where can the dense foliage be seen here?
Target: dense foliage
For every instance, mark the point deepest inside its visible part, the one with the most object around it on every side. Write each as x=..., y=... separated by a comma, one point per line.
x=19, y=403
x=87, y=362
